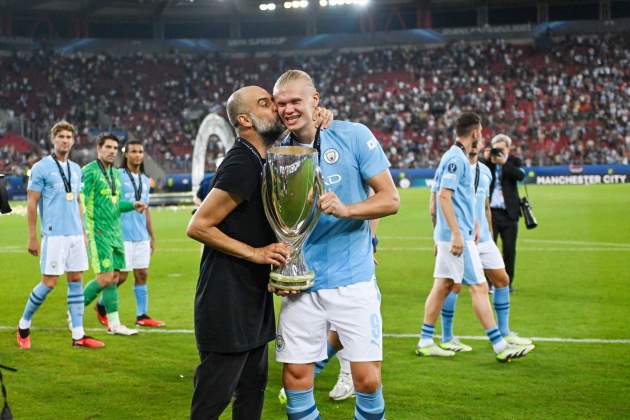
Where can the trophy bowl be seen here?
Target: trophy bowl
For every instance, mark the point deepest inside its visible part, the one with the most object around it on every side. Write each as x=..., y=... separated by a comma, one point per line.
x=291, y=186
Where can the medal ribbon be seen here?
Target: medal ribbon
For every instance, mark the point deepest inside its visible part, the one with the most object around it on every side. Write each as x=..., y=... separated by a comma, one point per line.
x=66, y=181
x=137, y=190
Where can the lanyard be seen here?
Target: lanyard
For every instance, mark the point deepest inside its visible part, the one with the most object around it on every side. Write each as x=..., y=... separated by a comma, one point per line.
x=137, y=190
x=463, y=149
x=66, y=181
x=316, y=143
x=476, y=176
x=253, y=150
x=110, y=181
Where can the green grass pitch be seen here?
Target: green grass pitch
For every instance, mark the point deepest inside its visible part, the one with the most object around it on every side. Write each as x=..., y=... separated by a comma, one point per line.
x=573, y=276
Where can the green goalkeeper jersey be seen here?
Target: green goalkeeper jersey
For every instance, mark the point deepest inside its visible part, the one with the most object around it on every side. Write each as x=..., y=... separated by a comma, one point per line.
x=102, y=194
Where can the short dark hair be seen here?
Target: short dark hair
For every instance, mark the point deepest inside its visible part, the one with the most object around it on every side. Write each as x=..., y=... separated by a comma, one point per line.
x=466, y=122
x=100, y=140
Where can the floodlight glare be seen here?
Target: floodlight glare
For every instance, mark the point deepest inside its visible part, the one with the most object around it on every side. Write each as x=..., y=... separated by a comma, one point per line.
x=271, y=6
x=323, y=3
x=287, y=5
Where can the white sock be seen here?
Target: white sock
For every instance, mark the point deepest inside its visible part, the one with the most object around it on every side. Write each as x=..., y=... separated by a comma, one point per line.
x=344, y=365
x=425, y=342
x=113, y=320
x=77, y=333
x=24, y=324
x=500, y=346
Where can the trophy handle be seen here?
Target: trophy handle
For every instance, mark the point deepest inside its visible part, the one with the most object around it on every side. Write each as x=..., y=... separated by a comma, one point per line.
x=266, y=178
x=318, y=189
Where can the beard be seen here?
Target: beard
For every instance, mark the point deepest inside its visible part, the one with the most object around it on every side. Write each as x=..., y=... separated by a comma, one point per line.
x=268, y=130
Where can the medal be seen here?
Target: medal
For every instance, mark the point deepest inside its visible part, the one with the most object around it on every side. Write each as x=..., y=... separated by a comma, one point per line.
x=69, y=196
x=114, y=199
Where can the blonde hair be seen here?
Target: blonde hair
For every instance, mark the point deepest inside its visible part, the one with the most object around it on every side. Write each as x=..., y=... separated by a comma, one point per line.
x=501, y=138
x=292, y=76
x=60, y=126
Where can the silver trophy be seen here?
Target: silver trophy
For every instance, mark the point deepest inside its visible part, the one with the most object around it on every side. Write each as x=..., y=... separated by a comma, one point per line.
x=291, y=187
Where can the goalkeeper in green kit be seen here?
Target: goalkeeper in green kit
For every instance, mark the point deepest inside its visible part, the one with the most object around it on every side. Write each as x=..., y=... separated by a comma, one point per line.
x=101, y=193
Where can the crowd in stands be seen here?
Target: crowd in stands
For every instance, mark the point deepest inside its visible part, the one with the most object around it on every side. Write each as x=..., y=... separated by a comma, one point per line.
x=566, y=104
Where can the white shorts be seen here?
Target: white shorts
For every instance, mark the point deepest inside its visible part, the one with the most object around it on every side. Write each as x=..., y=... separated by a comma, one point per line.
x=354, y=311
x=491, y=258
x=466, y=266
x=62, y=254
x=137, y=255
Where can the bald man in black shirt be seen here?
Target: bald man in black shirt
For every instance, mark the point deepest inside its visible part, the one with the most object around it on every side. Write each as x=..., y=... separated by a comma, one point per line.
x=234, y=317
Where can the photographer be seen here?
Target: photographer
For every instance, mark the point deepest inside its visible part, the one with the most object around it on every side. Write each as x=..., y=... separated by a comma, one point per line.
x=504, y=200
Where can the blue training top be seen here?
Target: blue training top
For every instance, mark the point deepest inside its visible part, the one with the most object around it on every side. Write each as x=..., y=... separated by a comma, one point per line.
x=59, y=216
x=483, y=190
x=134, y=224
x=454, y=173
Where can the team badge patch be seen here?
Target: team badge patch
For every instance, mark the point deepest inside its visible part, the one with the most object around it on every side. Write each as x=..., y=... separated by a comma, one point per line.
x=331, y=156
x=451, y=168
x=279, y=343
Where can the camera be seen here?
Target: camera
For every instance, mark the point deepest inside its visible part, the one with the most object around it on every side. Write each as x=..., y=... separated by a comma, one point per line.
x=528, y=214
x=495, y=151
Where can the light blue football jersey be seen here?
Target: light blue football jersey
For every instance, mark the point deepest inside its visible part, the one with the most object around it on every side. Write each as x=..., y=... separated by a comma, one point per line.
x=58, y=216
x=134, y=224
x=483, y=190
x=454, y=173
x=339, y=250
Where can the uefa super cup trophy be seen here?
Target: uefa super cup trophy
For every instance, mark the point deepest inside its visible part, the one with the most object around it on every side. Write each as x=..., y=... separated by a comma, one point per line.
x=291, y=186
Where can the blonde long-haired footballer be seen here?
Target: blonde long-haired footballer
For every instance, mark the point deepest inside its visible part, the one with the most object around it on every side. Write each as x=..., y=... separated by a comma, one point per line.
x=345, y=294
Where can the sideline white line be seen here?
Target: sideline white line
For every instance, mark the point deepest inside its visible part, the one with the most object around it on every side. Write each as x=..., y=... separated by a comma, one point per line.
x=465, y=337
x=16, y=248
x=541, y=241
x=195, y=250
x=541, y=339
x=425, y=248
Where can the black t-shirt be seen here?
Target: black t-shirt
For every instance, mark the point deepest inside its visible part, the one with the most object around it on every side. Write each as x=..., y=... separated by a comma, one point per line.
x=233, y=310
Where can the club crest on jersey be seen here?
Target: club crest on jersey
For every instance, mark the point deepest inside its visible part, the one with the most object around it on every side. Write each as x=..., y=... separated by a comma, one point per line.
x=451, y=168
x=331, y=156
x=279, y=343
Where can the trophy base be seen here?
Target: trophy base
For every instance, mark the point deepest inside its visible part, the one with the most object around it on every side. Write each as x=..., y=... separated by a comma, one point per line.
x=282, y=282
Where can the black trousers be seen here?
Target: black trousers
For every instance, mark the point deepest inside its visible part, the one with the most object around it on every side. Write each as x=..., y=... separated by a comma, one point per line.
x=507, y=229
x=221, y=376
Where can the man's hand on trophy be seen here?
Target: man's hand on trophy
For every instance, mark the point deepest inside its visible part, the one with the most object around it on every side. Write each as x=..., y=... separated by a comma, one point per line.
x=275, y=254
x=329, y=203
x=281, y=292
x=323, y=117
